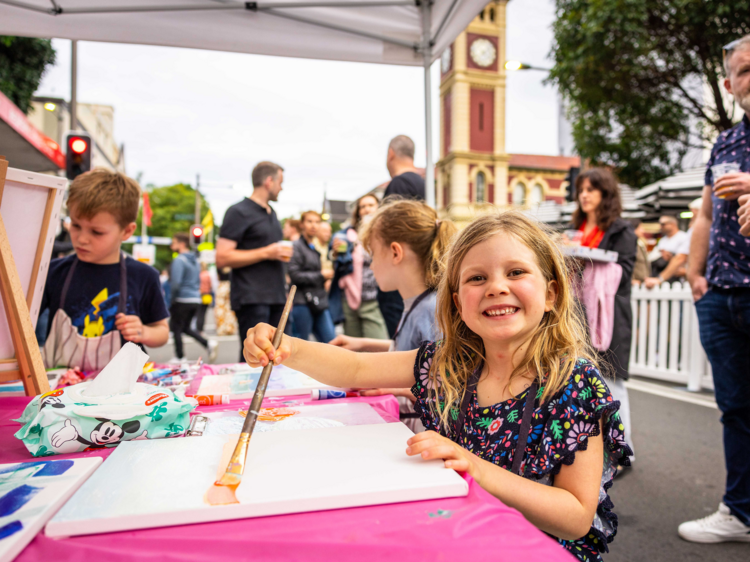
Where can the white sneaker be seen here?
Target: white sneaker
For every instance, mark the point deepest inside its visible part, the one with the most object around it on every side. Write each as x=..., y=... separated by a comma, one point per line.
x=175, y=361
x=721, y=526
x=213, y=350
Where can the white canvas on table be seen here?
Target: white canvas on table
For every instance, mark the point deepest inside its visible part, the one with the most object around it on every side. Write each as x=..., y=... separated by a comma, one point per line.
x=162, y=483
x=229, y=422
x=31, y=492
x=241, y=384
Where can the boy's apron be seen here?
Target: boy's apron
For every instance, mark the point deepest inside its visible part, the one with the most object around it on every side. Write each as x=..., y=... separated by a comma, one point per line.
x=65, y=347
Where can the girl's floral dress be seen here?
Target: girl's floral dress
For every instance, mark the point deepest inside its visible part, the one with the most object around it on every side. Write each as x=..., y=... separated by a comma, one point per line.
x=559, y=428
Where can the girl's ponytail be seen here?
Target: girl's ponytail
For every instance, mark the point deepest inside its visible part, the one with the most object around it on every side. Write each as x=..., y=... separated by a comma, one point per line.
x=417, y=225
x=445, y=230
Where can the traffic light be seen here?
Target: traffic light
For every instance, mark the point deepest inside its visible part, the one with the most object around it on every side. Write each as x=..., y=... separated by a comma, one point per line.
x=570, y=191
x=196, y=232
x=77, y=155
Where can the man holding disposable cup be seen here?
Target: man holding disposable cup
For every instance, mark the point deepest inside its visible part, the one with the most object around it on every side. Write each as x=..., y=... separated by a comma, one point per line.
x=250, y=242
x=719, y=276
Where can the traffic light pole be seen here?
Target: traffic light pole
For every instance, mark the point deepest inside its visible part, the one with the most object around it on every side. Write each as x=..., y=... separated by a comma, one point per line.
x=74, y=86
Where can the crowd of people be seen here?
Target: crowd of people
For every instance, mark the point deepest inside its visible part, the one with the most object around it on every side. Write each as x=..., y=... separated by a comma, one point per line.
x=510, y=356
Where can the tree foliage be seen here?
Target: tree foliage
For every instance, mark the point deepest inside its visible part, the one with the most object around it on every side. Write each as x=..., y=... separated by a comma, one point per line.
x=167, y=203
x=643, y=79
x=23, y=61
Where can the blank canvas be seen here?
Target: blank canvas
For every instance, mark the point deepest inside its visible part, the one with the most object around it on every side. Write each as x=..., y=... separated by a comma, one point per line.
x=159, y=483
x=30, y=493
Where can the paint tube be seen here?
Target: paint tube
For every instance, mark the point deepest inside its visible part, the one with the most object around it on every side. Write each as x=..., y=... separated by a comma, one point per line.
x=212, y=399
x=170, y=380
x=323, y=394
x=156, y=374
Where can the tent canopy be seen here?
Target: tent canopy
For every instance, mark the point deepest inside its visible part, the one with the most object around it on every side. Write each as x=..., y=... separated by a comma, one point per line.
x=377, y=31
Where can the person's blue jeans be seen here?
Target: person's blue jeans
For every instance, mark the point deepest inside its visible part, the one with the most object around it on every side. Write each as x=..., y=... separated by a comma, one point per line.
x=320, y=324
x=724, y=321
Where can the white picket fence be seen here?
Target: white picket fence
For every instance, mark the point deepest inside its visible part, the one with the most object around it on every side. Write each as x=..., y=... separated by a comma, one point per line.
x=666, y=344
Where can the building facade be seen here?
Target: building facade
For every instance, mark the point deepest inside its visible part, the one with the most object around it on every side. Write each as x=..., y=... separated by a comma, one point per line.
x=51, y=116
x=475, y=174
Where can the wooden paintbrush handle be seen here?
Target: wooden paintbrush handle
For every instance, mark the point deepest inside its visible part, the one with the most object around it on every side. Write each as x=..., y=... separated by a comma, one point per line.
x=260, y=390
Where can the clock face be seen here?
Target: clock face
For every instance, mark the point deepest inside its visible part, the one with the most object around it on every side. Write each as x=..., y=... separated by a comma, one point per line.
x=483, y=52
x=445, y=60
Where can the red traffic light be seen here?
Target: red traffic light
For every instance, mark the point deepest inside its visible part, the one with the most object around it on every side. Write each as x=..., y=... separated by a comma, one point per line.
x=78, y=145
x=197, y=231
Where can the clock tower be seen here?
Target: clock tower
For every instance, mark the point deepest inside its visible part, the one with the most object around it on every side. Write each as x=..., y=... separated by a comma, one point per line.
x=472, y=172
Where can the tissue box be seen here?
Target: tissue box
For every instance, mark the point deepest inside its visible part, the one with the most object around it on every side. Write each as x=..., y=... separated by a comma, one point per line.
x=67, y=421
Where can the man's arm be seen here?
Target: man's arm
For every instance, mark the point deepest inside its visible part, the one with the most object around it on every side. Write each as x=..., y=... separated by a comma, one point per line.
x=227, y=254
x=670, y=271
x=744, y=215
x=699, y=246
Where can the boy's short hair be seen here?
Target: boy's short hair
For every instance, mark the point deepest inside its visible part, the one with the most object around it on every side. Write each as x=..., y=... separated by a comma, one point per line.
x=294, y=223
x=262, y=170
x=182, y=237
x=101, y=190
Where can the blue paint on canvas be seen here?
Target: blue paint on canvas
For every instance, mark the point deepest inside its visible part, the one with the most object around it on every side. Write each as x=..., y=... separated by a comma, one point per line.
x=49, y=468
x=10, y=529
x=16, y=499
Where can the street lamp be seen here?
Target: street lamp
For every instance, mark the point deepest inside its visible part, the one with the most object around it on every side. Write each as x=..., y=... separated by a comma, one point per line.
x=518, y=65
x=49, y=106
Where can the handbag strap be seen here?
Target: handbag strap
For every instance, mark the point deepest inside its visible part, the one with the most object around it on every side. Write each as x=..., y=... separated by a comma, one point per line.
x=523, y=433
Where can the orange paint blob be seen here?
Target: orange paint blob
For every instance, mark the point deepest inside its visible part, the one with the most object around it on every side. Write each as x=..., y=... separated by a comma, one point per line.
x=273, y=414
x=220, y=495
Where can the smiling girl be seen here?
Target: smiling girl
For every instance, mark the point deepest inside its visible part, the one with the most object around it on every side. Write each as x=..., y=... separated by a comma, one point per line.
x=512, y=394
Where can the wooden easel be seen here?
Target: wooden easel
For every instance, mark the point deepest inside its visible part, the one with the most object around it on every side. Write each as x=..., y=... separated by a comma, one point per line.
x=29, y=358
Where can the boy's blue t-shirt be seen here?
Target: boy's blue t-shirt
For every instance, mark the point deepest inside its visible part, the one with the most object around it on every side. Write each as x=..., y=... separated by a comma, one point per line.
x=94, y=293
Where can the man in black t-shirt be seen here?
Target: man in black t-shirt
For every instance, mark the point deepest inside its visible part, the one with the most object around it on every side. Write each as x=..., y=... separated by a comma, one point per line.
x=405, y=182
x=249, y=244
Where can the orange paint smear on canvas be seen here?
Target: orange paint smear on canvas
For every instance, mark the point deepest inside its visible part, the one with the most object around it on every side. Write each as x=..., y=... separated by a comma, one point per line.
x=273, y=414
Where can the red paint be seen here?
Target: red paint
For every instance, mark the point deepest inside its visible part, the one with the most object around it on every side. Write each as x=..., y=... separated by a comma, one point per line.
x=155, y=398
x=446, y=124
x=481, y=119
x=470, y=37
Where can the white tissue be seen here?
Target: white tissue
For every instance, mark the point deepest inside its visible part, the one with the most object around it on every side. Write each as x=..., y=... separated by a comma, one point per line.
x=120, y=374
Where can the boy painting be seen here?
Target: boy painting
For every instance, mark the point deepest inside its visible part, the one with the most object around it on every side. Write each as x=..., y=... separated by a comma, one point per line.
x=98, y=298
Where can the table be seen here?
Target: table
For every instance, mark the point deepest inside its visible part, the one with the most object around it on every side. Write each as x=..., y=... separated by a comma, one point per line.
x=476, y=527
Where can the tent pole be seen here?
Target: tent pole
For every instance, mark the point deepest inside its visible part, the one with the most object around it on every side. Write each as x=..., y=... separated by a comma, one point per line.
x=429, y=178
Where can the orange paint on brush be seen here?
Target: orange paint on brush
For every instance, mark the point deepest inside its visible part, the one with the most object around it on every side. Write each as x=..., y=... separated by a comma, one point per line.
x=273, y=414
x=221, y=495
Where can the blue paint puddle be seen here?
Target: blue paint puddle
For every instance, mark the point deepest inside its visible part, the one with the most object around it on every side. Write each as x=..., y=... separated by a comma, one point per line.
x=16, y=499
x=442, y=513
x=10, y=529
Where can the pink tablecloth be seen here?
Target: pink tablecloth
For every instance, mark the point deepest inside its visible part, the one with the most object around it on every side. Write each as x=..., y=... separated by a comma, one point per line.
x=475, y=527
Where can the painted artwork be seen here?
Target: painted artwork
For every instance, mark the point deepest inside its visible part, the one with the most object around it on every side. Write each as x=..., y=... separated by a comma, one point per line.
x=242, y=383
x=30, y=493
x=285, y=472
x=351, y=413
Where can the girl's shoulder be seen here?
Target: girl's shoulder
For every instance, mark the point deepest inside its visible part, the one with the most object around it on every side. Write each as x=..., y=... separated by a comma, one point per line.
x=585, y=389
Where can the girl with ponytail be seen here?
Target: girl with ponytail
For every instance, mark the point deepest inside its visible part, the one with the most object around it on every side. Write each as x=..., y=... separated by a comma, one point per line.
x=408, y=244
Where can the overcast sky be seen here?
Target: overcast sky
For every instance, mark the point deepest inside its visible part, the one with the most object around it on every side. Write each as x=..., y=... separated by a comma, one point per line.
x=182, y=112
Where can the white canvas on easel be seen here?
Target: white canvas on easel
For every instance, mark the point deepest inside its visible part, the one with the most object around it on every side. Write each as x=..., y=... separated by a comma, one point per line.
x=160, y=483
x=30, y=209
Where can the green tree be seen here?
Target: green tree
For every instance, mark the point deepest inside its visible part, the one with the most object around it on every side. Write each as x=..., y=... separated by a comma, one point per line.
x=169, y=205
x=633, y=74
x=23, y=61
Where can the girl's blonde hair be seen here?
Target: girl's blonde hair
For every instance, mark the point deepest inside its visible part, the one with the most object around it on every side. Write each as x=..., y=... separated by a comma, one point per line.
x=560, y=339
x=415, y=224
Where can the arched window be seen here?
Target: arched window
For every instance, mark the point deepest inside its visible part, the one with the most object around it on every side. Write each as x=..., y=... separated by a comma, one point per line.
x=537, y=195
x=519, y=194
x=481, y=15
x=481, y=187
x=492, y=14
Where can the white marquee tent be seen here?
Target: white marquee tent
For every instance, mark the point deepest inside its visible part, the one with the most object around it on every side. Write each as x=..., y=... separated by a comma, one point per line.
x=403, y=32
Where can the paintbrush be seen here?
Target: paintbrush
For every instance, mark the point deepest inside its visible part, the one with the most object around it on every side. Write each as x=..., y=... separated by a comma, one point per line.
x=223, y=490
